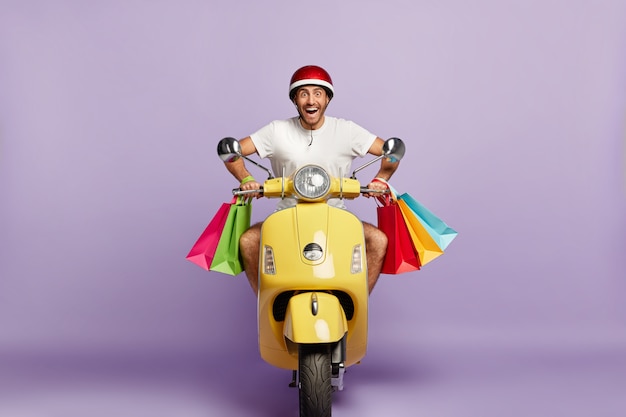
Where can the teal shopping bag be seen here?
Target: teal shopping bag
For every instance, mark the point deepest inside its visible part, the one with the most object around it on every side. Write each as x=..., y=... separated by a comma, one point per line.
x=441, y=233
x=227, y=259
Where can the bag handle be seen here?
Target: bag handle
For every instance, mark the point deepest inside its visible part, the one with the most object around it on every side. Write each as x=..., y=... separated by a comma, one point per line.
x=242, y=200
x=387, y=199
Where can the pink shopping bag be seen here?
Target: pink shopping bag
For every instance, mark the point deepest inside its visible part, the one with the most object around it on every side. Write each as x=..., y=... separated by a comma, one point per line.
x=203, y=250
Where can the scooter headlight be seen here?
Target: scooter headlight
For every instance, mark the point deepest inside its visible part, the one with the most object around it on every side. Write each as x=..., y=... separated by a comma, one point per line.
x=311, y=182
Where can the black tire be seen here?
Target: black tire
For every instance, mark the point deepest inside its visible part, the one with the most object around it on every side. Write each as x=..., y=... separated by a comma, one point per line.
x=315, y=381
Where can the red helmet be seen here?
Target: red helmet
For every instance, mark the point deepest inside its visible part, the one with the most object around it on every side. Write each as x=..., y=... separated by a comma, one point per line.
x=311, y=75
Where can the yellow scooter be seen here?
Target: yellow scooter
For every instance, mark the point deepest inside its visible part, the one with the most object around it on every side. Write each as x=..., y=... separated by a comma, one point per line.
x=313, y=291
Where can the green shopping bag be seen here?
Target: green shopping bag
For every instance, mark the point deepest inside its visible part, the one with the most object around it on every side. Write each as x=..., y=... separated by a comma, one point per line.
x=227, y=259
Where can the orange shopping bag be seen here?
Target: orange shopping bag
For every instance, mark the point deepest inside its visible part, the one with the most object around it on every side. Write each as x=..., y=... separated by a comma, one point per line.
x=423, y=242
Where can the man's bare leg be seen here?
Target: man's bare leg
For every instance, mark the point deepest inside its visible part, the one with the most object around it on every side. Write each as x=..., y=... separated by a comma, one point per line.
x=375, y=248
x=249, y=247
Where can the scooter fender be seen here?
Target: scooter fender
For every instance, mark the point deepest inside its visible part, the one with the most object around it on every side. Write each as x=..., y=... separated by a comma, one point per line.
x=314, y=317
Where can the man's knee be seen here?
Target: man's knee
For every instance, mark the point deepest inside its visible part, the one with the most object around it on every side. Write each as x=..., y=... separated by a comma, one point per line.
x=375, y=238
x=250, y=239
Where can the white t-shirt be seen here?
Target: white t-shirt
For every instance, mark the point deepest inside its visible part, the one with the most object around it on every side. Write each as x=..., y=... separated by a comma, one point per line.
x=333, y=147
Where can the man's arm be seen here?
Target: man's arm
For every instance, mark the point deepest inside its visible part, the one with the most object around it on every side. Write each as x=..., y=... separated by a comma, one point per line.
x=386, y=168
x=238, y=168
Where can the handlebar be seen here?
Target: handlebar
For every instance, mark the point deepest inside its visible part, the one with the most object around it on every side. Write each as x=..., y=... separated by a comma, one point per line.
x=364, y=190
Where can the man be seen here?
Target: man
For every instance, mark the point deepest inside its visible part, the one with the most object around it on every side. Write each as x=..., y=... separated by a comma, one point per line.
x=312, y=138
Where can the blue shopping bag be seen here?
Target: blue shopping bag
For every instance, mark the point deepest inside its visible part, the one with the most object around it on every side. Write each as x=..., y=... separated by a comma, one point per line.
x=441, y=233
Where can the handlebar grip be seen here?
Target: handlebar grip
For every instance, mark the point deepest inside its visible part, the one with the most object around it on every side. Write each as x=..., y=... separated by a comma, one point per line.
x=239, y=191
x=365, y=190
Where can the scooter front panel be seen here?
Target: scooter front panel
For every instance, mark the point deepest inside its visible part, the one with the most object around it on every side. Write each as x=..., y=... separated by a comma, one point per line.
x=288, y=232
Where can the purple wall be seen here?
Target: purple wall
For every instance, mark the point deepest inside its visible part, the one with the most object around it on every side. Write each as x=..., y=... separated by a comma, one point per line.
x=513, y=117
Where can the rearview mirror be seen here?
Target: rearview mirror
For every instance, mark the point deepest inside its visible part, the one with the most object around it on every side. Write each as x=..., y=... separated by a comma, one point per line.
x=393, y=149
x=229, y=149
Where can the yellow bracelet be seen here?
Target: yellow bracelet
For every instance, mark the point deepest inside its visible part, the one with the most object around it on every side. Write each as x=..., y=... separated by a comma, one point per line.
x=247, y=179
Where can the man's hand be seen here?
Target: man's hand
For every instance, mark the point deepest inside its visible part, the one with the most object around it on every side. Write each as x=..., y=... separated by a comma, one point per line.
x=377, y=184
x=251, y=185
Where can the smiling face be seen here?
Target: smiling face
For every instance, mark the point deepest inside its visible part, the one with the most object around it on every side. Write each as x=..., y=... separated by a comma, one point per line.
x=311, y=101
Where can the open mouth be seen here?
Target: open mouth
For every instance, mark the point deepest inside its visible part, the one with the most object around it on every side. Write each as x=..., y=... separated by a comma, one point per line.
x=311, y=110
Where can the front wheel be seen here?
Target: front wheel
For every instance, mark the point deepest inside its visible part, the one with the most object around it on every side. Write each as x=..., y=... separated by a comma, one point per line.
x=315, y=380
